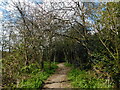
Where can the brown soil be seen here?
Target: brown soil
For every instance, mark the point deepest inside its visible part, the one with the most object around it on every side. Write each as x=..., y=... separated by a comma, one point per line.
x=59, y=79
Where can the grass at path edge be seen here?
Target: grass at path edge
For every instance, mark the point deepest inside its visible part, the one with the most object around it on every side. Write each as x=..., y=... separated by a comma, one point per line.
x=85, y=79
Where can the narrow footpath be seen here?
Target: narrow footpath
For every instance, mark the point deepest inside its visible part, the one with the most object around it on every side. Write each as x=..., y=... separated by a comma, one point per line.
x=59, y=78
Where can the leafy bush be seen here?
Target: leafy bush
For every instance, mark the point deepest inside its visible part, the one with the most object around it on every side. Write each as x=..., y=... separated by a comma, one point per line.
x=36, y=76
x=30, y=69
x=83, y=79
x=107, y=65
x=35, y=81
x=68, y=64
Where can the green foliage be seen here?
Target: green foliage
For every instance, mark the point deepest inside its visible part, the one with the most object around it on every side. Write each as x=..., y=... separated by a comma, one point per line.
x=36, y=75
x=35, y=81
x=11, y=67
x=32, y=68
x=50, y=70
x=68, y=64
x=83, y=79
x=103, y=62
x=107, y=65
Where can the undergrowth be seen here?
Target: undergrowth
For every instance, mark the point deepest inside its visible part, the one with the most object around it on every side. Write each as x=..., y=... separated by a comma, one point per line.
x=68, y=64
x=85, y=79
x=35, y=76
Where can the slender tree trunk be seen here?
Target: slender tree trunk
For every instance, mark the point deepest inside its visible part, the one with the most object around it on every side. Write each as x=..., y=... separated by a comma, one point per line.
x=42, y=61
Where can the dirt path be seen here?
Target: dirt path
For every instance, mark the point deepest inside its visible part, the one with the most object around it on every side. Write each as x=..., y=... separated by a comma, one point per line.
x=59, y=79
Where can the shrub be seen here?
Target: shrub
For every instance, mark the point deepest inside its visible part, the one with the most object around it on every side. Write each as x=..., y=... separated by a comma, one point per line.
x=83, y=79
x=36, y=76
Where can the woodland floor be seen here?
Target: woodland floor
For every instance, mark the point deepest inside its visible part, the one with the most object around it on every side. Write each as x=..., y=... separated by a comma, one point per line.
x=59, y=78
